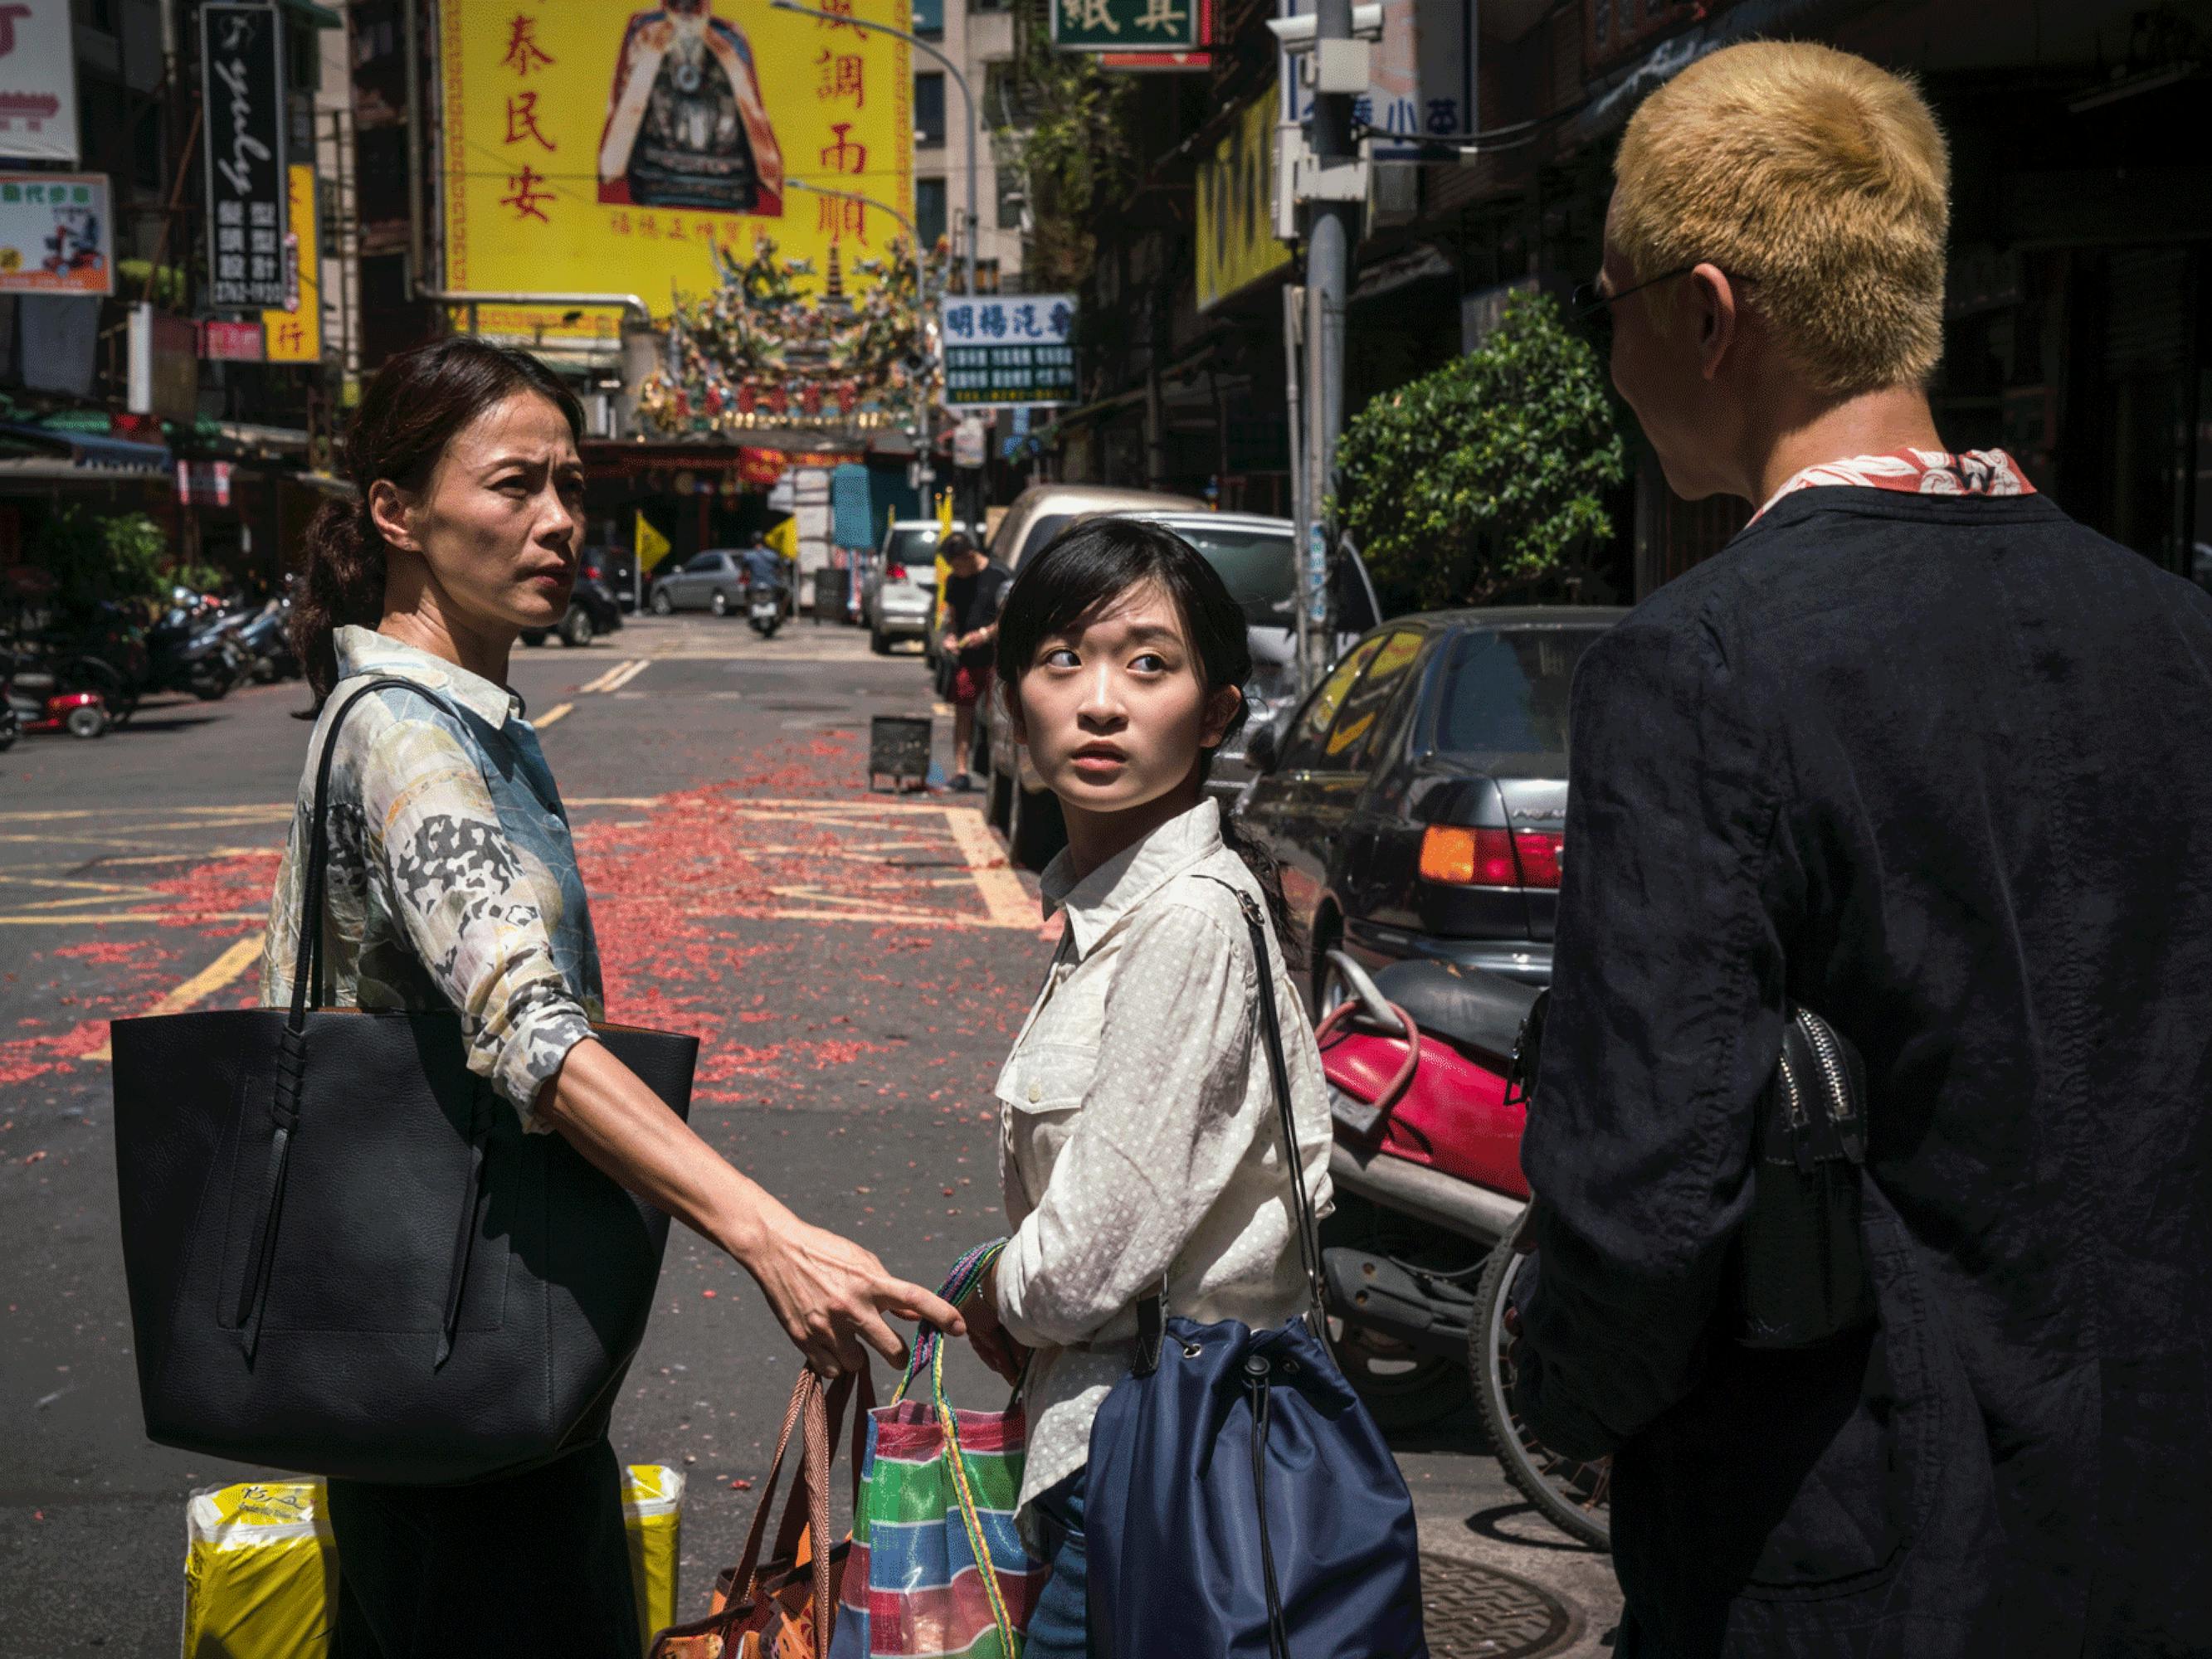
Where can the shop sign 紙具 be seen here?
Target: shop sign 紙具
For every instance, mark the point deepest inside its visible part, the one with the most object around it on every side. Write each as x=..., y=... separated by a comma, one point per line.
x=1121, y=26
x=57, y=235
x=242, y=92
x=592, y=147
x=1008, y=348
x=38, y=82
x=1235, y=219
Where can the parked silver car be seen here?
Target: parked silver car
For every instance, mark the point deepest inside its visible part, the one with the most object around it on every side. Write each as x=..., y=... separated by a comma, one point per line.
x=900, y=589
x=714, y=581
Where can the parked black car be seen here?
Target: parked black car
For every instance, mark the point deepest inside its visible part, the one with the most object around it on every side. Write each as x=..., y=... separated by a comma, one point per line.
x=1416, y=800
x=593, y=611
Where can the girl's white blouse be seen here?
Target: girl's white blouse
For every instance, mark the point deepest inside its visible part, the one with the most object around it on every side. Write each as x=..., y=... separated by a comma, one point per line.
x=1139, y=1134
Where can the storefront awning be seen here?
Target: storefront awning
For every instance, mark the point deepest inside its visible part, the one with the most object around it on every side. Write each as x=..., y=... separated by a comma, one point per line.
x=88, y=451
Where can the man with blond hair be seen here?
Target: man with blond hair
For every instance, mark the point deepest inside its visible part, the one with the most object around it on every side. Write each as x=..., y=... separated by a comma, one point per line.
x=1918, y=754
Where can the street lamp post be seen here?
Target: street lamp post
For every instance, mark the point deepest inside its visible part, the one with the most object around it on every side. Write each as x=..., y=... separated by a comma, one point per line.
x=967, y=100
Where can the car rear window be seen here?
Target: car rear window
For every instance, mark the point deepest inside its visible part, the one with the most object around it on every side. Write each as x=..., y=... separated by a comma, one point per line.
x=1506, y=692
x=1043, y=531
x=917, y=550
x=1257, y=566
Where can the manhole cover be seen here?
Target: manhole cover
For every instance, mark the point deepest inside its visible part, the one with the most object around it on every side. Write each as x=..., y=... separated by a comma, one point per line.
x=1478, y=1613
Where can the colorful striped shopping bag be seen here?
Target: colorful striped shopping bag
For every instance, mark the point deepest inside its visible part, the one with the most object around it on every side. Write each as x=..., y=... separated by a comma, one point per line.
x=937, y=1566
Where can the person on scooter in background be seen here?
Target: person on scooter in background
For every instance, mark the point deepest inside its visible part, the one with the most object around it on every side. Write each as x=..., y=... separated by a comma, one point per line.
x=973, y=593
x=765, y=569
x=1917, y=753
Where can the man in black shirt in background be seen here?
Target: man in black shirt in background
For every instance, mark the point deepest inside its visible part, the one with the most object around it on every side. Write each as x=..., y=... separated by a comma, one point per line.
x=973, y=594
x=1920, y=754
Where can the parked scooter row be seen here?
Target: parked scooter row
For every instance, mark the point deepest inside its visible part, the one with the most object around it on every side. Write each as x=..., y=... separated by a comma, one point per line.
x=1418, y=1257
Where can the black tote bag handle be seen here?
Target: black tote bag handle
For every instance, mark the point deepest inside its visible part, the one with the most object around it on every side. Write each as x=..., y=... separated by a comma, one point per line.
x=308, y=964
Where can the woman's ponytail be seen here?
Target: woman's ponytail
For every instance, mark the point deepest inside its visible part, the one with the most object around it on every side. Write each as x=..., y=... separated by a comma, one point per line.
x=341, y=583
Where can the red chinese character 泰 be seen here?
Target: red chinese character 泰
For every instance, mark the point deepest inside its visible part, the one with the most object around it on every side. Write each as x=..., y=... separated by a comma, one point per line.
x=522, y=120
x=843, y=77
x=527, y=195
x=846, y=155
x=522, y=53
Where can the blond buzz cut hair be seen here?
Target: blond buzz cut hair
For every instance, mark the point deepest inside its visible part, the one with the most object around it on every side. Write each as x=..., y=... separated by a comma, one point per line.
x=1819, y=179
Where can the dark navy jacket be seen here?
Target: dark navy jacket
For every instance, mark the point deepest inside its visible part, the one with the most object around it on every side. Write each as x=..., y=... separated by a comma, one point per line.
x=1940, y=769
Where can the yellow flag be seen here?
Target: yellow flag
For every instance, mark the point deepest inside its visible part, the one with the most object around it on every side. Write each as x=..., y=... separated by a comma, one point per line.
x=944, y=513
x=652, y=546
x=784, y=538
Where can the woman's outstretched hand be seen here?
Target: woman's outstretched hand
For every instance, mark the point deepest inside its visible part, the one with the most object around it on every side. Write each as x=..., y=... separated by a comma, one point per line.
x=994, y=1345
x=830, y=1295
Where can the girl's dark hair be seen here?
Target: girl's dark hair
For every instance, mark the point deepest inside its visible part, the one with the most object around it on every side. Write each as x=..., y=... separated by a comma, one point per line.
x=408, y=414
x=1082, y=571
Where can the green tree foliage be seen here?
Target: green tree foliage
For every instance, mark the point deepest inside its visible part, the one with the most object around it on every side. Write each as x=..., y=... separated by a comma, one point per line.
x=94, y=559
x=1068, y=138
x=1482, y=481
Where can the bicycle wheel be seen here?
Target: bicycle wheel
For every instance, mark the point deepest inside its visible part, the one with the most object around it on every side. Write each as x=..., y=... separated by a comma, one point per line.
x=1572, y=1495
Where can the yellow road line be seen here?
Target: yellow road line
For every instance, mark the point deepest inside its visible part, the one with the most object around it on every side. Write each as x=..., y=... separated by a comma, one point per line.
x=628, y=672
x=242, y=954
x=559, y=711
x=1004, y=895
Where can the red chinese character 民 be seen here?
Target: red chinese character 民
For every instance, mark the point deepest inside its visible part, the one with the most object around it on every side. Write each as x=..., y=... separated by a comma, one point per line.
x=522, y=120
x=527, y=195
x=523, y=54
x=843, y=77
x=846, y=155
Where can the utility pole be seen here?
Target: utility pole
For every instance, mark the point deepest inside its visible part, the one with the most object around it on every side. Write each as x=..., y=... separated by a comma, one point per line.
x=1330, y=184
x=1340, y=72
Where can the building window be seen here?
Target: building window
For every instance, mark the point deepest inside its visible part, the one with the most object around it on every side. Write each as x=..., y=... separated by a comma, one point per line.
x=929, y=19
x=929, y=109
x=929, y=211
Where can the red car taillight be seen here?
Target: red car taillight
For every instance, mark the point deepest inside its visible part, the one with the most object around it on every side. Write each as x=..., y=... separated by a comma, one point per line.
x=895, y=573
x=1490, y=858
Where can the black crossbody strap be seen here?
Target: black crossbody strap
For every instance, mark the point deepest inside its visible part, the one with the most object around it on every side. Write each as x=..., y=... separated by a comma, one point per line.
x=1152, y=1314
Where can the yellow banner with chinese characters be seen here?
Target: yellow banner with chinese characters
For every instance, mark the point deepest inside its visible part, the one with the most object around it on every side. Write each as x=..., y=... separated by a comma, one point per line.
x=1237, y=243
x=296, y=335
x=591, y=147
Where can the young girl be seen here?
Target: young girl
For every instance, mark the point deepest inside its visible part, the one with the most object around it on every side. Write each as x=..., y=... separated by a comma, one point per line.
x=1138, y=1137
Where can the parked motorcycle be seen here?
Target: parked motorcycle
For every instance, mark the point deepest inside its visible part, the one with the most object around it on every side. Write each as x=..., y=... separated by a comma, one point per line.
x=264, y=636
x=1427, y=1171
x=34, y=703
x=189, y=651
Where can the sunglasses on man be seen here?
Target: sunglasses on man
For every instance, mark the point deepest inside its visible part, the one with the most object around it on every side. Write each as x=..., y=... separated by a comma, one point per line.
x=1590, y=307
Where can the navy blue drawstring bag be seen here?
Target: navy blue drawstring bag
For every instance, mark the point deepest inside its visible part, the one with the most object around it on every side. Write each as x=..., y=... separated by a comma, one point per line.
x=1241, y=1502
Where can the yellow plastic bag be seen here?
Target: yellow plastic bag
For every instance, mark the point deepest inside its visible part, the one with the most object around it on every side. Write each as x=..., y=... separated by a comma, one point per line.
x=261, y=1571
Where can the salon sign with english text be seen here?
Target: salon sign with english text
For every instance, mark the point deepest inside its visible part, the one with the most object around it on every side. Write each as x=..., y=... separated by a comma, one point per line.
x=242, y=89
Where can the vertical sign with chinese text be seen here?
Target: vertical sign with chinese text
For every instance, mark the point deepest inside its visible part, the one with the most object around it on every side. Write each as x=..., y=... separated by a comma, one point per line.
x=1009, y=349
x=597, y=146
x=38, y=82
x=242, y=90
x=1125, y=25
x=295, y=334
x=1236, y=218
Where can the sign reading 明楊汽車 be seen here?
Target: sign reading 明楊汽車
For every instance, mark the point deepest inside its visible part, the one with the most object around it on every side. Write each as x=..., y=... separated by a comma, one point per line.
x=57, y=235
x=1121, y=26
x=242, y=89
x=38, y=82
x=1008, y=348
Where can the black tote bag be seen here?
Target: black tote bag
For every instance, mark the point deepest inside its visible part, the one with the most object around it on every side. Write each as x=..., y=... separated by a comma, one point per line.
x=344, y=1254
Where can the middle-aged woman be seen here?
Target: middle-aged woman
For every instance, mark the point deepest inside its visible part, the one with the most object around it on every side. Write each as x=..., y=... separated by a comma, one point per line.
x=453, y=883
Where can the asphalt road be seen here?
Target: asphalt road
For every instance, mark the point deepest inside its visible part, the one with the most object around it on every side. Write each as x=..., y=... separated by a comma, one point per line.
x=855, y=963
